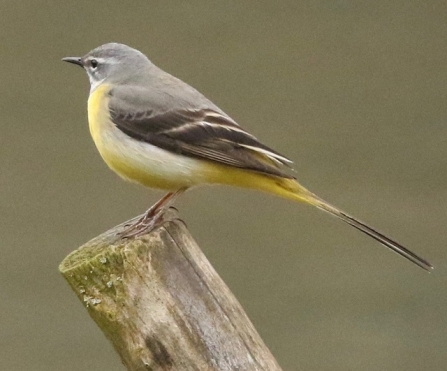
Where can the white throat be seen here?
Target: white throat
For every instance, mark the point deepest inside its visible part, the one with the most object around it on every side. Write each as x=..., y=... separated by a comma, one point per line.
x=94, y=83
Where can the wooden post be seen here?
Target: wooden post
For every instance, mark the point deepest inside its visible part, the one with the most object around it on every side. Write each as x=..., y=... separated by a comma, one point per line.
x=162, y=305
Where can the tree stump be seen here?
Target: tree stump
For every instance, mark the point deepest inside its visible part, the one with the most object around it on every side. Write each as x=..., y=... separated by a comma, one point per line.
x=161, y=303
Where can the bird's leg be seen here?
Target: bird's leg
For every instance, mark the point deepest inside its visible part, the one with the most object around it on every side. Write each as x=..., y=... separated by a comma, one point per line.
x=148, y=213
x=140, y=225
x=152, y=216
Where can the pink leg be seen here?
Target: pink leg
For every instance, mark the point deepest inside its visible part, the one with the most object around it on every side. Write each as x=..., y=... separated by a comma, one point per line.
x=152, y=216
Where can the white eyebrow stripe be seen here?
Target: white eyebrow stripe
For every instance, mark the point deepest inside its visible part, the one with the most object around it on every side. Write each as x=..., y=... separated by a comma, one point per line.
x=100, y=60
x=111, y=60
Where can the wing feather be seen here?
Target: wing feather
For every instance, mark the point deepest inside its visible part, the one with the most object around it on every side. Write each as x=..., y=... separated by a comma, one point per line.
x=202, y=133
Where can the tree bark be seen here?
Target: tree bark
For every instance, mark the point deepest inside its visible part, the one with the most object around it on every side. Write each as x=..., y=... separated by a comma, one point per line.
x=161, y=303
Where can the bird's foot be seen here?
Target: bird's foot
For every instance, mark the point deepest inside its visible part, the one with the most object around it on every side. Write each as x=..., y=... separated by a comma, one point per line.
x=152, y=218
x=144, y=225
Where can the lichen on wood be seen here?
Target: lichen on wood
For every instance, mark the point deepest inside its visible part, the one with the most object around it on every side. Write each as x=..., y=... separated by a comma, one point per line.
x=161, y=303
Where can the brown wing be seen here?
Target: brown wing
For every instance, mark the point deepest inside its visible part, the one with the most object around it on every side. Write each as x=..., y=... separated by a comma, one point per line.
x=204, y=134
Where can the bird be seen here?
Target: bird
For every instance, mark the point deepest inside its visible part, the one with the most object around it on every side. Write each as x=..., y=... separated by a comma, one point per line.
x=154, y=129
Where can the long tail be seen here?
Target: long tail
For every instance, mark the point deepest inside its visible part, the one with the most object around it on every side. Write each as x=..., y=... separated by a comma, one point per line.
x=291, y=189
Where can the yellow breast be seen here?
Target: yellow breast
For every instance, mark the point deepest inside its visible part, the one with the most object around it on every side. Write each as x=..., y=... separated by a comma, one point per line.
x=98, y=112
x=134, y=160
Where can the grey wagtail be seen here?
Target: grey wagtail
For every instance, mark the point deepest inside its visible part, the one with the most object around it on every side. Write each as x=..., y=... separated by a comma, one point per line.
x=153, y=129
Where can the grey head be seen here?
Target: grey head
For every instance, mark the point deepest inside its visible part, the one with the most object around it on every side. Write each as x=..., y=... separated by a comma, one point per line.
x=114, y=63
x=137, y=81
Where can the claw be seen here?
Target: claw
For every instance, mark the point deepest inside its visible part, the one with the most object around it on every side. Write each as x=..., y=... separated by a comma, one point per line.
x=152, y=217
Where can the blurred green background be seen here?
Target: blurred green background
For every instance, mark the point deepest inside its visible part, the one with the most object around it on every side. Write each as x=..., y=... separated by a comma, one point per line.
x=354, y=91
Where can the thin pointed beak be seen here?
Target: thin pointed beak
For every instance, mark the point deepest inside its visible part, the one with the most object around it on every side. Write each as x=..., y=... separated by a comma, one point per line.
x=74, y=60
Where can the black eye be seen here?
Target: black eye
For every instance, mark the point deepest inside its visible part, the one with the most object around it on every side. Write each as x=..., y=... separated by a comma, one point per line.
x=94, y=63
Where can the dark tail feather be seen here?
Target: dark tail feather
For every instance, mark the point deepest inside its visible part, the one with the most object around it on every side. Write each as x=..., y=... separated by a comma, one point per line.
x=388, y=242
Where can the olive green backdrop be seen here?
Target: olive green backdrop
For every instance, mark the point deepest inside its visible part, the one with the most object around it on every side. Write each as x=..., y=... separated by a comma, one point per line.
x=355, y=92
